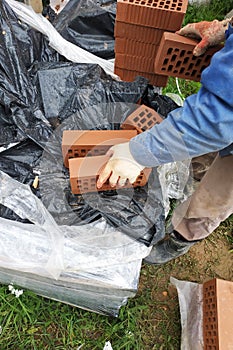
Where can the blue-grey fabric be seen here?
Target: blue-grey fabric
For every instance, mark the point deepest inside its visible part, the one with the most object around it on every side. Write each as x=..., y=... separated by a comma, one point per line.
x=204, y=124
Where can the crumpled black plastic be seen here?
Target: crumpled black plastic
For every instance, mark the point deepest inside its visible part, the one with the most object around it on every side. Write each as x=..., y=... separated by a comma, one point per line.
x=19, y=47
x=89, y=24
x=39, y=92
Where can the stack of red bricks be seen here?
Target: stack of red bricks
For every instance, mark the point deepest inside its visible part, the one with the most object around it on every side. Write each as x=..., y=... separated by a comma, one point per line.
x=84, y=151
x=139, y=27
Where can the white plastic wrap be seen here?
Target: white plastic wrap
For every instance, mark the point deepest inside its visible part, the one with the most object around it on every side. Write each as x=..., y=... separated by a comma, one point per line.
x=93, y=267
x=191, y=302
x=72, y=52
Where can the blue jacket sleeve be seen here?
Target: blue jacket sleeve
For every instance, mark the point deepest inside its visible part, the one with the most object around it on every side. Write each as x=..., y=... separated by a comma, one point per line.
x=204, y=124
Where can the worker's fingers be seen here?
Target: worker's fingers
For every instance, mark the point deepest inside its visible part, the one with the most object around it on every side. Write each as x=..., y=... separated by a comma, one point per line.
x=113, y=180
x=189, y=30
x=132, y=179
x=201, y=47
x=103, y=176
x=122, y=181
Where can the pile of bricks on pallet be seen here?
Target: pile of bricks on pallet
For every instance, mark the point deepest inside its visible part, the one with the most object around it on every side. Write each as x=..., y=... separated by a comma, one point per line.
x=84, y=151
x=217, y=314
x=139, y=27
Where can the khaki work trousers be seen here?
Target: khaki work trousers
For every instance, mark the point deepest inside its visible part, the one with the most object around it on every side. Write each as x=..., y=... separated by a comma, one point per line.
x=209, y=205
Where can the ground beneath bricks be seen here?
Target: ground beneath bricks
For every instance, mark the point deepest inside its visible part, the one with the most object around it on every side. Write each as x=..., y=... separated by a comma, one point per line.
x=160, y=323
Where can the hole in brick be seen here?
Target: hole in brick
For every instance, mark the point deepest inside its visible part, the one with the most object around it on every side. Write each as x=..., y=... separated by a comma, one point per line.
x=190, y=66
x=178, y=64
x=143, y=120
x=166, y=6
x=170, y=67
x=76, y=154
x=178, y=8
x=150, y=123
x=165, y=61
x=202, y=68
x=186, y=59
x=198, y=61
x=194, y=72
x=83, y=151
x=182, y=53
x=173, y=58
x=70, y=151
x=79, y=182
x=207, y=58
x=149, y=115
x=163, y=68
x=136, y=119
x=175, y=71
x=162, y=3
x=70, y=157
x=142, y=114
x=169, y=51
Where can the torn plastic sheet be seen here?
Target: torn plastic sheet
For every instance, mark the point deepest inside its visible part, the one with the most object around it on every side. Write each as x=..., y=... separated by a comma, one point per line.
x=88, y=24
x=70, y=51
x=96, y=267
x=190, y=296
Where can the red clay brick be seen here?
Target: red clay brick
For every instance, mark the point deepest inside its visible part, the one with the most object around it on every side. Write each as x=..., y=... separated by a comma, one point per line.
x=143, y=118
x=82, y=143
x=138, y=63
x=217, y=314
x=175, y=57
x=84, y=175
x=130, y=47
x=129, y=75
x=162, y=14
x=138, y=33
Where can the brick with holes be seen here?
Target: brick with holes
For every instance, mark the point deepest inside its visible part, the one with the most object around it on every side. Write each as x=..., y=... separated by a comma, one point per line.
x=139, y=33
x=84, y=175
x=162, y=14
x=143, y=118
x=175, y=57
x=130, y=75
x=217, y=314
x=82, y=143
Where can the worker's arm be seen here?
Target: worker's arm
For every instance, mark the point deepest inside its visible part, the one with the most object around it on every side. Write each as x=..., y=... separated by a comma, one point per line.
x=204, y=124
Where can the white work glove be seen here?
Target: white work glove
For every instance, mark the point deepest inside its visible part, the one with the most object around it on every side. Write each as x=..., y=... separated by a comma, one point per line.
x=120, y=167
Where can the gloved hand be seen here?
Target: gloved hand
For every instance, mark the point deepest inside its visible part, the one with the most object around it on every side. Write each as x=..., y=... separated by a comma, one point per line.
x=210, y=33
x=120, y=167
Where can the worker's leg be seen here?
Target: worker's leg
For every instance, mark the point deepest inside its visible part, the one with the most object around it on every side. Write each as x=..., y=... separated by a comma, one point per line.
x=196, y=218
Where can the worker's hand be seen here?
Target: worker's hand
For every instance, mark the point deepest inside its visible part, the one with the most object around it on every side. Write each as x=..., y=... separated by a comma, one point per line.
x=210, y=33
x=120, y=167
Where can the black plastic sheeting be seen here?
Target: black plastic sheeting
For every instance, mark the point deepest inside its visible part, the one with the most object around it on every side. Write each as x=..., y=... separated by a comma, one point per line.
x=40, y=95
x=88, y=24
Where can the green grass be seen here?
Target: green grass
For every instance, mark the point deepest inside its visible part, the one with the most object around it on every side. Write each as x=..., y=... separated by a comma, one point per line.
x=150, y=321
